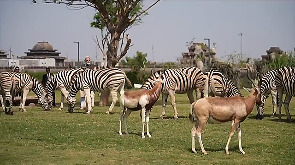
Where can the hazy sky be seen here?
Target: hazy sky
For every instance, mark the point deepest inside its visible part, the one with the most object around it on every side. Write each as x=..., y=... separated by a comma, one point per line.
x=163, y=33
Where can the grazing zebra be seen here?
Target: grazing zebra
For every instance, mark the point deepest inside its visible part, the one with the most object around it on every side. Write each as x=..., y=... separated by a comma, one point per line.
x=12, y=83
x=61, y=80
x=277, y=82
x=219, y=85
x=179, y=81
x=26, y=84
x=101, y=80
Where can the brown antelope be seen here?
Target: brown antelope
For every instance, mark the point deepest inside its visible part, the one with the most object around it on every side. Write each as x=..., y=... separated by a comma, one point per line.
x=234, y=109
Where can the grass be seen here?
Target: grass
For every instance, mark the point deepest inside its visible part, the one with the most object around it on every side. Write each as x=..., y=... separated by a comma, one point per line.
x=58, y=137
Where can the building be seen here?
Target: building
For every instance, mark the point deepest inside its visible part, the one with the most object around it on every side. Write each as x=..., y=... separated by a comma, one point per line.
x=3, y=54
x=42, y=54
x=272, y=52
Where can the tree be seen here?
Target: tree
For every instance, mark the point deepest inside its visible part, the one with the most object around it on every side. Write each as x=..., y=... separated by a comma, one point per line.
x=137, y=65
x=113, y=18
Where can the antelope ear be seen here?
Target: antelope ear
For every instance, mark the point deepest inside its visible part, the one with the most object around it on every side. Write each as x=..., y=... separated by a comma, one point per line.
x=247, y=89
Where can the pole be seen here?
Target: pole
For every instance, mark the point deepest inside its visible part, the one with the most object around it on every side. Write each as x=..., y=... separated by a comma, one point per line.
x=77, y=42
x=241, y=46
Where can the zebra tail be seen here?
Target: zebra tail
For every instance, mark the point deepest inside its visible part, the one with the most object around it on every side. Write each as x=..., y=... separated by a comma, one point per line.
x=128, y=81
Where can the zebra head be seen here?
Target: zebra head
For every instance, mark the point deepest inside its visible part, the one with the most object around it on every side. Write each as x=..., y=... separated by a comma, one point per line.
x=48, y=99
x=50, y=87
x=71, y=103
x=260, y=106
x=149, y=83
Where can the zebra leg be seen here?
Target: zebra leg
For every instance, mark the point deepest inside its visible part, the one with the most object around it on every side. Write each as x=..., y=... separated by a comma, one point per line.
x=279, y=101
x=173, y=103
x=286, y=104
x=92, y=95
x=8, y=105
x=88, y=100
x=114, y=101
x=121, y=119
x=2, y=103
x=82, y=99
x=190, y=96
x=23, y=100
x=274, y=94
x=62, y=99
x=164, y=102
x=64, y=94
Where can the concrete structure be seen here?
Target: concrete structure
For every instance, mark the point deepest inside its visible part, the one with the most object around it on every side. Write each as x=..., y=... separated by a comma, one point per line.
x=272, y=52
x=198, y=54
x=3, y=54
x=43, y=54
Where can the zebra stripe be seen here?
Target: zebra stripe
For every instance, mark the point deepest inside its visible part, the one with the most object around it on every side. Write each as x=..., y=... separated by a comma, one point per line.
x=12, y=82
x=277, y=82
x=5, y=90
x=219, y=85
x=61, y=80
x=101, y=80
x=180, y=81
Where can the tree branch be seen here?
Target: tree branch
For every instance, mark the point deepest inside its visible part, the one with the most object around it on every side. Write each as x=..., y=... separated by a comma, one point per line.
x=144, y=11
x=127, y=46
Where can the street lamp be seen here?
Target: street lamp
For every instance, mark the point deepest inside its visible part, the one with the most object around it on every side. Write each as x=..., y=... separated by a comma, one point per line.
x=77, y=42
x=209, y=56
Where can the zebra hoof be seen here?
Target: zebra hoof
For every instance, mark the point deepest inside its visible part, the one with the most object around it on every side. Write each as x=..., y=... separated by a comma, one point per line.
x=70, y=110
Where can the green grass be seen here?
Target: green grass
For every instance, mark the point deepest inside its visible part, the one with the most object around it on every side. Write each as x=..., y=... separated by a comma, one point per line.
x=58, y=137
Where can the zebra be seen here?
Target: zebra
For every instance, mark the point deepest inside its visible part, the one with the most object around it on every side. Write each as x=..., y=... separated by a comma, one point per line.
x=101, y=80
x=219, y=85
x=6, y=87
x=21, y=82
x=277, y=82
x=180, y=81
x=61, y=80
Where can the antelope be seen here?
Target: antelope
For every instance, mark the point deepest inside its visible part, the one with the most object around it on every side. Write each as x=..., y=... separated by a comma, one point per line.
x=142, y=99
x=234, y=109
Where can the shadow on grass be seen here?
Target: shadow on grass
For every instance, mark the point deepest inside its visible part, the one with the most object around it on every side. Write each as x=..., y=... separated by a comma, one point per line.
x=234, y=149
x=275, y=118
x=169, y=117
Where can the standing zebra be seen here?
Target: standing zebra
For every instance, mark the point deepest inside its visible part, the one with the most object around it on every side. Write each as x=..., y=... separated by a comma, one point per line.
x=6, y=86
x=180, y=81
x=101, y=80
x=277, y=82
x=61, y=80
x=12, y=83
x=221, y=86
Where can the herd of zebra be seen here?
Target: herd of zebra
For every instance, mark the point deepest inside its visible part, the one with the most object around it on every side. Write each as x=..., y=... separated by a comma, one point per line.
x=180, y=81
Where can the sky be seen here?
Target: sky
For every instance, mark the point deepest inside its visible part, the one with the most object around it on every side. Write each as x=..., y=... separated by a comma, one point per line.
x=164, y=32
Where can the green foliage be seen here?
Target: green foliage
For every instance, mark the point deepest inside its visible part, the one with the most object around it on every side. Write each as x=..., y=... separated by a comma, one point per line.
x=169, y=65
x=114, y=11
x=136, y=63
x=282, y=60
x=57, y=137
x=37, y=75
x=137, y=77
